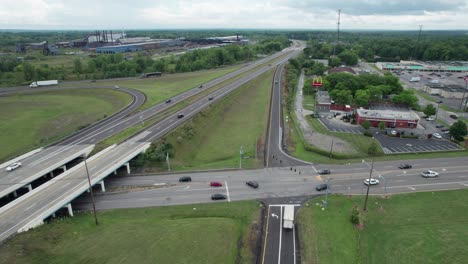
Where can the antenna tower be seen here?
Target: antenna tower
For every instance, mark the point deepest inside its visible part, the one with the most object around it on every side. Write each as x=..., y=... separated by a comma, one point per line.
x=338, y=32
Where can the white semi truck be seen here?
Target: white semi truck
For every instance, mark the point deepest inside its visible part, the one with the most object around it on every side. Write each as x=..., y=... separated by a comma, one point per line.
x=43, y=83
x=288, y=217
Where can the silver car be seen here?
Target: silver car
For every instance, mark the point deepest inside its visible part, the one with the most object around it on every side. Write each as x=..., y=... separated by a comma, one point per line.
x=13, y=166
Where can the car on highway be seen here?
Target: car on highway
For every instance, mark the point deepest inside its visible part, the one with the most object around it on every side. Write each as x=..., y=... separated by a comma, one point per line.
x=405, y=166
x=371, y=182
x=201, y=86
x=430, y=174
x=180, y=115
x=276, y=81
x=216, y=184
x=168, y=101
x=13, y=166
x=252, y=184
x=185, y=179
x=437, y=135
x=321, y=187
x=218, y=196
x=324, y=171
x=210, y=98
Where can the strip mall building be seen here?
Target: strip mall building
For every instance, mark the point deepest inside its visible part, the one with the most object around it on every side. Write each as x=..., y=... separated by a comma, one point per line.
x=398, y=119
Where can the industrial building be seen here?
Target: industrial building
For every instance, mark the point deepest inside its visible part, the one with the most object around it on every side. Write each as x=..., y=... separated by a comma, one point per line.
x=153, y=44
x=397, y=119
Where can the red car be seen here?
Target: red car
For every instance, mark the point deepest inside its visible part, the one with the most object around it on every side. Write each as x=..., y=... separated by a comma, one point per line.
x=216, y=184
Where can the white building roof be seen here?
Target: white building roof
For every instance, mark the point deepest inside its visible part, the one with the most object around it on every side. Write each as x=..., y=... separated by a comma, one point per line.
x=387, y=114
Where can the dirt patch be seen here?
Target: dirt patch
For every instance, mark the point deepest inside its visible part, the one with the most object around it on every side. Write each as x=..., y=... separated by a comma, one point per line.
x=129, y=188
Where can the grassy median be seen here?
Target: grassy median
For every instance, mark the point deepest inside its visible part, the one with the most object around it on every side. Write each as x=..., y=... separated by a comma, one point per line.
x=202, y=233
x=32, y=120
x=430, y=227
x=212, y=139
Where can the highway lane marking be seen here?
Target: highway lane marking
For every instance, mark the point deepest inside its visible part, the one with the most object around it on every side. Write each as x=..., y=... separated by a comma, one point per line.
x=294, y=243
x=30, y=207
x=266, y=235
x=281, y=233
x=227, y=191
x=412, y=188
x=426, y=184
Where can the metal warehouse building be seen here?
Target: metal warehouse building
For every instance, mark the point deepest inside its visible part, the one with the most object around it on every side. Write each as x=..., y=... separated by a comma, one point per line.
x=399, y=119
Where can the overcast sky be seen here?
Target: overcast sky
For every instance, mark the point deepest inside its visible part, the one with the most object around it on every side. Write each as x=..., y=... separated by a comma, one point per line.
x=297, y=14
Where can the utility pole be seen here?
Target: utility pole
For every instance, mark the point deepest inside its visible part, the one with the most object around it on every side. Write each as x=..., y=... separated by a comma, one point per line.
x=331, y=149
x=241, y=152
x=464, y=92
x=92, y=194
x=368, y=185
x=338, y=32
x=168, y=163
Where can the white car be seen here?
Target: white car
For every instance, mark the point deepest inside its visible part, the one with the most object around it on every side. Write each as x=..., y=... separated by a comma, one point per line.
x=429, y=174
x=437, y=135
x=430, y=118
x=372, y=181
x=13, y=166
x=393, y=132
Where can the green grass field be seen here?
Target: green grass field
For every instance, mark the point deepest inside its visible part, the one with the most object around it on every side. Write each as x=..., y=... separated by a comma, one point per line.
x=159, y=89
x=213, y=138
x=429, y=227
x=32, y=120
x=202, y=233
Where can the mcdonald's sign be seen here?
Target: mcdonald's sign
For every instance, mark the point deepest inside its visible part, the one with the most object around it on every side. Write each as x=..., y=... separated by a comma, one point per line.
x=317, y=81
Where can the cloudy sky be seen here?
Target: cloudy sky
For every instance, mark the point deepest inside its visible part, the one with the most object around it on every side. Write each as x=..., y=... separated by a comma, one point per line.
x=297, y=14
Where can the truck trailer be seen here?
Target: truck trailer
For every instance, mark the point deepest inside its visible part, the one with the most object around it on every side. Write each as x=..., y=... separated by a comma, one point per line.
x=44, y=83
x=288, y=217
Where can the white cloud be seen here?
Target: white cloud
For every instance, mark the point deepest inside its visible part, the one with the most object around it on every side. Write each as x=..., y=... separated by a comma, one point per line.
x=306, y=14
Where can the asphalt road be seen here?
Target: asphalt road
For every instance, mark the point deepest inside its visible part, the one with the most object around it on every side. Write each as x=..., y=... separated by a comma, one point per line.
x=275, y=156
x=274, y=182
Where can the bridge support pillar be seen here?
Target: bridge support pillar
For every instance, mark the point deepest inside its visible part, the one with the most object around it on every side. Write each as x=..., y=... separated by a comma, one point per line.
x=70, y=209
x=51, y=174
x=29, y=187
x=15, y=194
x=115, y=172
x=128, y=167
x=64, y=168
x=103, y=188
x=53, y=215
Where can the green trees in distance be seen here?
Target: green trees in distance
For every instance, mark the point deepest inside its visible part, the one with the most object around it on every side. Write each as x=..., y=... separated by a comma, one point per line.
x=458, y=130
x=16, y=72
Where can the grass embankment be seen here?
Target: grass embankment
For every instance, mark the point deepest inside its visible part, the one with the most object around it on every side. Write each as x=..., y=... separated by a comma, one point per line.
x=158, y=89
x=202, y=233
x=32, y=120
x=213, y=138
x=427, y=227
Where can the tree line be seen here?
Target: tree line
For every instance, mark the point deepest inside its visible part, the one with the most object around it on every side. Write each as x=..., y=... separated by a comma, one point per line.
x=17, y=72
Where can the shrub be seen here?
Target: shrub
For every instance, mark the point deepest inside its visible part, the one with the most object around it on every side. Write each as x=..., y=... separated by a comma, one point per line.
x=355, y=216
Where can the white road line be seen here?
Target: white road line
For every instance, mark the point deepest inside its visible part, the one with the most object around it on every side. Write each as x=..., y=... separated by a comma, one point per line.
x=281, y=205
x=412, y=188
x=227, y=191
x=30, y=207
x=294, y=243
x=281, y=232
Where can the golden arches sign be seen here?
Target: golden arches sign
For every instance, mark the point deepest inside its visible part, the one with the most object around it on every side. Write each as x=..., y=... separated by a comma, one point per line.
x=317, y=81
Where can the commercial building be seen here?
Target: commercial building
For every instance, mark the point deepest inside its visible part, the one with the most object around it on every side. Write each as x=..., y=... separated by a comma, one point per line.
x=154, y=44
x=445, y=91
x=397, y=119
x=424, y=66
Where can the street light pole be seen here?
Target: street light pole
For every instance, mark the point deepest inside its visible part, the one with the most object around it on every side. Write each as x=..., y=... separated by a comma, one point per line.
x=328, y=188
x=92, y=194
x=369, y=184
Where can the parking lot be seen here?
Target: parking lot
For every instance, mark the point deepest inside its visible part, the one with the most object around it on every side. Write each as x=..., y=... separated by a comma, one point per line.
x=392, y=145
x=336, y=125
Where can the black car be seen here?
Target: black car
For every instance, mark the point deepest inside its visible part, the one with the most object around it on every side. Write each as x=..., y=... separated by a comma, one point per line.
x=405, y=166
x=210, y=98
x=180, y=115
x=218, y=196
x=323, y=171
x=252, y=184
x=201, y=86
x=439, y=126
x=321, y=187
x=185, y=179
x=168, y=101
